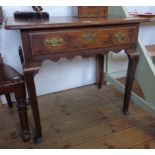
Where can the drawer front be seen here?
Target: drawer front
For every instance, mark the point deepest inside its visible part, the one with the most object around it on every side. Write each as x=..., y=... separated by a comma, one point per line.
x=81, y=39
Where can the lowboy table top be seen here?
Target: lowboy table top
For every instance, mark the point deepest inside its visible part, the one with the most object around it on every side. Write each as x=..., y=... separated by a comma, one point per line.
x=57, y=22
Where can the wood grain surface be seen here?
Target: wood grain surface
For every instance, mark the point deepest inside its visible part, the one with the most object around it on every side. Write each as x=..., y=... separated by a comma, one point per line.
x=83, y=118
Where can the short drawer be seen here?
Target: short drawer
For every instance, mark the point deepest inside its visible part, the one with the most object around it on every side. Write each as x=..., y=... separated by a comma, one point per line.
x=81, y=39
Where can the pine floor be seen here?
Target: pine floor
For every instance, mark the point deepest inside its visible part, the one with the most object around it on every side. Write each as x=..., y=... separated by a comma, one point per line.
x=84, y=117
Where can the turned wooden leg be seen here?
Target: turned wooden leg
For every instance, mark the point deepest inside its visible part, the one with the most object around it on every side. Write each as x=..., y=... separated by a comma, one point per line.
x=133, y=60
x=8, y=98
x=20, y=95
x=29, y=79
x=99, y=70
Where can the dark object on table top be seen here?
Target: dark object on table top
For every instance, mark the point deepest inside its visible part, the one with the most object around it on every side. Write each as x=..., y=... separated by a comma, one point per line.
x=38, y=14
x=38, y=9
x=31, y=15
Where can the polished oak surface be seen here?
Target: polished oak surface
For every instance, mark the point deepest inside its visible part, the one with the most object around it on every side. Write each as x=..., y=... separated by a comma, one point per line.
x=58, y=22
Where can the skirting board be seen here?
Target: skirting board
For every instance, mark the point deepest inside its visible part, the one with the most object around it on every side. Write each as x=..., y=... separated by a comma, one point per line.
x=134, y=97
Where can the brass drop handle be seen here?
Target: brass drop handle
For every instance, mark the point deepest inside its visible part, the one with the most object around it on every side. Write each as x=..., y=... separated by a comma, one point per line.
x=54, y=42
x=89, y=37
x=119, y=36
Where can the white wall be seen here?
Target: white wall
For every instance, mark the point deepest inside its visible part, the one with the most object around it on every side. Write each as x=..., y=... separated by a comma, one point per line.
x=64, y=74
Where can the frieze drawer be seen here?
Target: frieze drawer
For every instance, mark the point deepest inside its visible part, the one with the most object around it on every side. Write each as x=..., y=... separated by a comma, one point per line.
x=45, y=42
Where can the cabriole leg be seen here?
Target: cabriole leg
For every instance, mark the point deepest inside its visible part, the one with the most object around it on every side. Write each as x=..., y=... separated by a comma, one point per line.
x=99, y=70
x=133, y=60
x=29, y=79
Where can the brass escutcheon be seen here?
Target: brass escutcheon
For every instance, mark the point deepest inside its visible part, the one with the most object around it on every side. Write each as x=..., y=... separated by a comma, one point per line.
x=54, y=42
x=119, y=36
x=89, y=37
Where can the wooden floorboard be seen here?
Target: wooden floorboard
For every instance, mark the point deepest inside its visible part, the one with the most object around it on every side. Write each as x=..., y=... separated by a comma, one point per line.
x=83, y=118
x=147, y=145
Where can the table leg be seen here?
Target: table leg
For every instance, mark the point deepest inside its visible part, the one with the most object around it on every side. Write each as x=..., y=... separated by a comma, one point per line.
x=8, y=98
x=99, y=70
x=133, y=60
x=20, y=95
x=29, y=79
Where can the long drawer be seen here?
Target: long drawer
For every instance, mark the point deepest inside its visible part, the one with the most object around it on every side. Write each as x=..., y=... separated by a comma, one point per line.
x=45, y=42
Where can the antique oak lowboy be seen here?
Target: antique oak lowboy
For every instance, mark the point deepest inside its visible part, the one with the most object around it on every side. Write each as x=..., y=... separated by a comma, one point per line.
x=72, y=36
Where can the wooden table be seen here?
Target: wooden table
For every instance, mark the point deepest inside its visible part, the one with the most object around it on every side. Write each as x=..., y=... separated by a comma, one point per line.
x=72, y=36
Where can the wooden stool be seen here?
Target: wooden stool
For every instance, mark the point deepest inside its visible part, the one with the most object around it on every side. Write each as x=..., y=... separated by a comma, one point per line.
x=12, y=82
